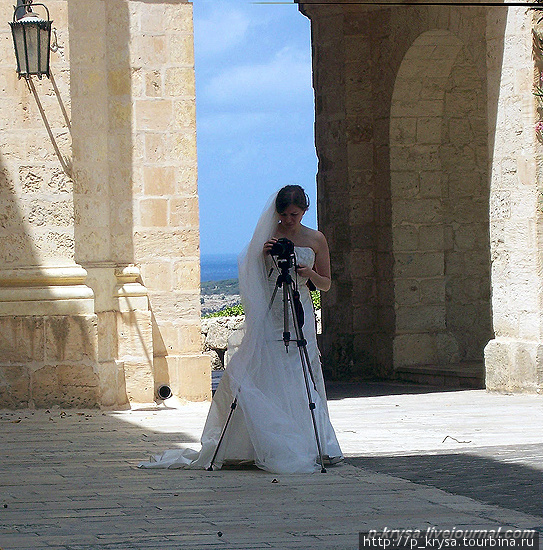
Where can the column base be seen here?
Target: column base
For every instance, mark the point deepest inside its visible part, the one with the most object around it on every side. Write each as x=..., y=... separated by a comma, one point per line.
x=190, y=376
x=48, y=338
x=514, y=366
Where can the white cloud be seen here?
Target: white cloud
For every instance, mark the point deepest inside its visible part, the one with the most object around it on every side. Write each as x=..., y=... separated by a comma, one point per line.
x=221, y=30
x=286, y=77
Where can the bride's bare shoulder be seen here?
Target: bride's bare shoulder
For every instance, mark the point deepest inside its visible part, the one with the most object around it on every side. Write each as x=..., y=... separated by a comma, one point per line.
x=316, y=238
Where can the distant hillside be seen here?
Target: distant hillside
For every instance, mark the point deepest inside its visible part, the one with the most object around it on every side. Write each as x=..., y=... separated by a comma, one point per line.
x=227, y=287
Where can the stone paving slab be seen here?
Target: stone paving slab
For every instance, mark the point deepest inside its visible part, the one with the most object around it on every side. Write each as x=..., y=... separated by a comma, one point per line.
x=68, y=479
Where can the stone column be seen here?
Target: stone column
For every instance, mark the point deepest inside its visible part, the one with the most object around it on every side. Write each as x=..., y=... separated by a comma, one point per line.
x=514, y=358
x=166, y=218
x=353, y=191
x=137, y=205
x=48, y=332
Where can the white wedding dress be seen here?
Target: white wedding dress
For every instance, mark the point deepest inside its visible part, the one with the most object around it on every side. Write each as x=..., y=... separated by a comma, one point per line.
x=272, y=425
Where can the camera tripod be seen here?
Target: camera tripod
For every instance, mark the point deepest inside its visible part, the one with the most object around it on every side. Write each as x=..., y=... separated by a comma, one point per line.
x=291, y=297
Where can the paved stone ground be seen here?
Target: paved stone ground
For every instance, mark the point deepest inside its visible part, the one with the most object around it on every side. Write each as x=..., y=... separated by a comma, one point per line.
x=458, y=459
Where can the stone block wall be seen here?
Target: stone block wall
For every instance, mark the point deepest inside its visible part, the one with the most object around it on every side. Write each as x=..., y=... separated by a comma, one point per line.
x=166, y=221
x=48, y=325
x=113, y=249
x=429, y=170
x=402, y=133
x=48, y=360
x=36, y=215
x=440, y=192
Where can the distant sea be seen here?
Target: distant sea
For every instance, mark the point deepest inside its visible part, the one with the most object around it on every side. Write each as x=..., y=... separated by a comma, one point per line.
x=218, y=267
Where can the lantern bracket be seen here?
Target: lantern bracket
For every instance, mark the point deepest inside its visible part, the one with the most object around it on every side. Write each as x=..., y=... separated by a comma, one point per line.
x=27, y=6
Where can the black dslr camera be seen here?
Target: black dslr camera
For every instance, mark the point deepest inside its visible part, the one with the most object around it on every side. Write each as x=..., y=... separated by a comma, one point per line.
x=283, y=249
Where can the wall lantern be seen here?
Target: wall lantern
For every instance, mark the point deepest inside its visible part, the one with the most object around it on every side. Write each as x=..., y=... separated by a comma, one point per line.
x=32, y=40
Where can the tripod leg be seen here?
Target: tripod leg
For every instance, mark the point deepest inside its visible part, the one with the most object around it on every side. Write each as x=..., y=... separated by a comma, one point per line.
x=232, y=409
x=306, y=367
x=286, y=331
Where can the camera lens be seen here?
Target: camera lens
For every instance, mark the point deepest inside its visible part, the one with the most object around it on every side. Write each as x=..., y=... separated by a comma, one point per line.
x=282, y=248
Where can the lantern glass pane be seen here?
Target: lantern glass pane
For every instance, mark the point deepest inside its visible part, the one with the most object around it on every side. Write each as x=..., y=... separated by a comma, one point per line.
x=31, y=32
x=18, y=38
x=45, y=38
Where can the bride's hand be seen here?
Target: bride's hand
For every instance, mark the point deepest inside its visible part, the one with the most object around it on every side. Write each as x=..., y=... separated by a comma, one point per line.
x=304, y=271
x=268, y=245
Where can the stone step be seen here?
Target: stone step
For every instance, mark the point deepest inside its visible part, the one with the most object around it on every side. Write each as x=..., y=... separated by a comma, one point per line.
x=461, y=375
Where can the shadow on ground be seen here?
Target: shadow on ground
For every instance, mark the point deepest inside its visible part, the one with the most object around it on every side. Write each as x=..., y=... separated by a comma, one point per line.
x=343, y=390
x=510, y=476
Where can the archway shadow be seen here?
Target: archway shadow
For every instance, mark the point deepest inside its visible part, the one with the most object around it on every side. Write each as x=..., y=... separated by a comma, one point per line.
x=506, y=476
x=376, y=388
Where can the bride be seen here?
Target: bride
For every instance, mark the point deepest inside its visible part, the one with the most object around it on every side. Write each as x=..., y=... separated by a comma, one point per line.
x=272, y=425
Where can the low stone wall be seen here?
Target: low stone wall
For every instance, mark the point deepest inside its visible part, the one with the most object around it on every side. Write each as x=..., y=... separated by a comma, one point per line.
x=220, y=336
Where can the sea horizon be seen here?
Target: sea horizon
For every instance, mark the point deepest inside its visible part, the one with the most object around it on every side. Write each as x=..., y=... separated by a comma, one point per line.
x=218, y=267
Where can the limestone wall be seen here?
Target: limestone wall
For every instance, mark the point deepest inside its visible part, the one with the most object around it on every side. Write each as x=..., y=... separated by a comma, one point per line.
x=166, y=238
x=109, y=258
x=429, y=190
x=48, y=327
x=401, y=108
x=36, y=216
x=440, y=192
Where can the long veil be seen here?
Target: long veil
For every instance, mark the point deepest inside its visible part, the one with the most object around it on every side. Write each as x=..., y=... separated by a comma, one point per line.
x=255, y=295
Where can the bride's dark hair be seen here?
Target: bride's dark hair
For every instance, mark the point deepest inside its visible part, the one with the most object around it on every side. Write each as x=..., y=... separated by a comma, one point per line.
x=291, y=194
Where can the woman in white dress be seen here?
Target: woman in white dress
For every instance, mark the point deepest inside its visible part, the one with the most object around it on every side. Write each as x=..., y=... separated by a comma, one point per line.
x=271, y=424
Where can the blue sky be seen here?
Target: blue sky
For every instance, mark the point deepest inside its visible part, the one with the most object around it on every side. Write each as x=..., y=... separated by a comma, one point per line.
x=255, y=114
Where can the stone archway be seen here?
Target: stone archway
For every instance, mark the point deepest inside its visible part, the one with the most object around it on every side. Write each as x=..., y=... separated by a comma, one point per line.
x=440, y=193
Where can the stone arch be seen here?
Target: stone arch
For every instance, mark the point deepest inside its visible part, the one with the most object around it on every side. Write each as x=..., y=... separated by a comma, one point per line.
x=439, y=195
